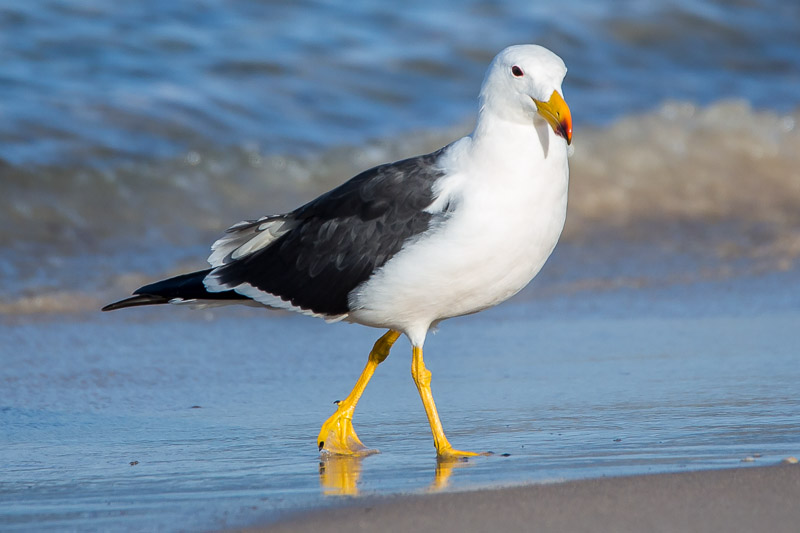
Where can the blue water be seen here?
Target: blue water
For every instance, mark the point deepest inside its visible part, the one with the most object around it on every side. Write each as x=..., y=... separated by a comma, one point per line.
x=132, y=134
x=90, y=82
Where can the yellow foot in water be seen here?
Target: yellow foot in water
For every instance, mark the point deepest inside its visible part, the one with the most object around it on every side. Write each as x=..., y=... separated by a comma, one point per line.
x=448, y=453
x=338, y=437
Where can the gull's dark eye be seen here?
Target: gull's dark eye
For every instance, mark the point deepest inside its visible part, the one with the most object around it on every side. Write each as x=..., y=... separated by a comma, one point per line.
x=516, y=71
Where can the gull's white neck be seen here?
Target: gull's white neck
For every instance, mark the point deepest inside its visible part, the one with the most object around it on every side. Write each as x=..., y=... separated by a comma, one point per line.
x=515, y=146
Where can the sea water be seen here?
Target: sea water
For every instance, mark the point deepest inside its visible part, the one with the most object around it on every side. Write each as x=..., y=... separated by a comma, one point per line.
x=132, y=135
x=661, y=336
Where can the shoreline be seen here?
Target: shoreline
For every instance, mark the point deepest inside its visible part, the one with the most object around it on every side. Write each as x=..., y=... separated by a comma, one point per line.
x=99, y=414
x=739, y=499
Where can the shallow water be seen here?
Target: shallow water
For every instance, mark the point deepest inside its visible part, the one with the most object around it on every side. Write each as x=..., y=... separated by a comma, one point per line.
x=220, y=410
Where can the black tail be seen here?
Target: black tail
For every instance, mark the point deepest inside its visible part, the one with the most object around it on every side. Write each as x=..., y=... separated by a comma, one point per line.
x=184, y=287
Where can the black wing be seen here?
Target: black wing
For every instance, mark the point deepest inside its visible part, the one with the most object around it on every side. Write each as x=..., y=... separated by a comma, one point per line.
x=338, y=240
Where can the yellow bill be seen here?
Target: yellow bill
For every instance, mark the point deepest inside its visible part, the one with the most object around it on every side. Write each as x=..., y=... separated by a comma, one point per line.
x=556, y=112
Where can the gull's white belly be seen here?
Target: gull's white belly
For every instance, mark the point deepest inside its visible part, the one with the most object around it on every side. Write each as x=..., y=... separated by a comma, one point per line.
x=490, y=248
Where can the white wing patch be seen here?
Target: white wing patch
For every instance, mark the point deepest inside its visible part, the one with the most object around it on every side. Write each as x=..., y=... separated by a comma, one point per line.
x=270, y=300
x=249, y=236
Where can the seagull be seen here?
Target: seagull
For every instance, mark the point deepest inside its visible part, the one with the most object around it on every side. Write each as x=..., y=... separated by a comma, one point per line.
x=406, y=245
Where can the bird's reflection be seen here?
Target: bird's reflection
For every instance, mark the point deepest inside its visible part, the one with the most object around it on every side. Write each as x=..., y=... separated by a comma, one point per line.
x=444, y=469
x=339, y=474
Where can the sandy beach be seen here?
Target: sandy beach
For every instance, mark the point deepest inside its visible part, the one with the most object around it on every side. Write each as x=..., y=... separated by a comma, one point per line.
x=732, y=500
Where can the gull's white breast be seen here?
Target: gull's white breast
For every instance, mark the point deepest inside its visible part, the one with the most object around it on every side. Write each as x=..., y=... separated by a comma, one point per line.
x=507, y=217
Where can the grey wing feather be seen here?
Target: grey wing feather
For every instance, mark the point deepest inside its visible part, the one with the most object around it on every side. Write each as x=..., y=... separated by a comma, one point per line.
x=314, y=256
x=247, y=237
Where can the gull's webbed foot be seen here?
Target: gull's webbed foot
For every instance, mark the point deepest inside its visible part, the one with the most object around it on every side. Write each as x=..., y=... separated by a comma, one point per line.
x=448, y=453
x=338, y=437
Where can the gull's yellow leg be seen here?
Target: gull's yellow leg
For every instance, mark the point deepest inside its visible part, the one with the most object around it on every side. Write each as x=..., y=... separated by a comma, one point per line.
x=422, y=378
x=337, y=434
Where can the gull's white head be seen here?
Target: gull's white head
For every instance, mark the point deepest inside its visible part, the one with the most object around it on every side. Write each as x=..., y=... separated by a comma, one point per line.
x=523, y=83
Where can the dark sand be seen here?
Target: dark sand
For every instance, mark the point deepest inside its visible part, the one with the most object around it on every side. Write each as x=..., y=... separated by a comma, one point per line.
x=742, y=499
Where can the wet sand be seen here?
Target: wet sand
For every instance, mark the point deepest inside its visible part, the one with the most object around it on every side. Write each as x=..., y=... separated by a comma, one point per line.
x=741, y=499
